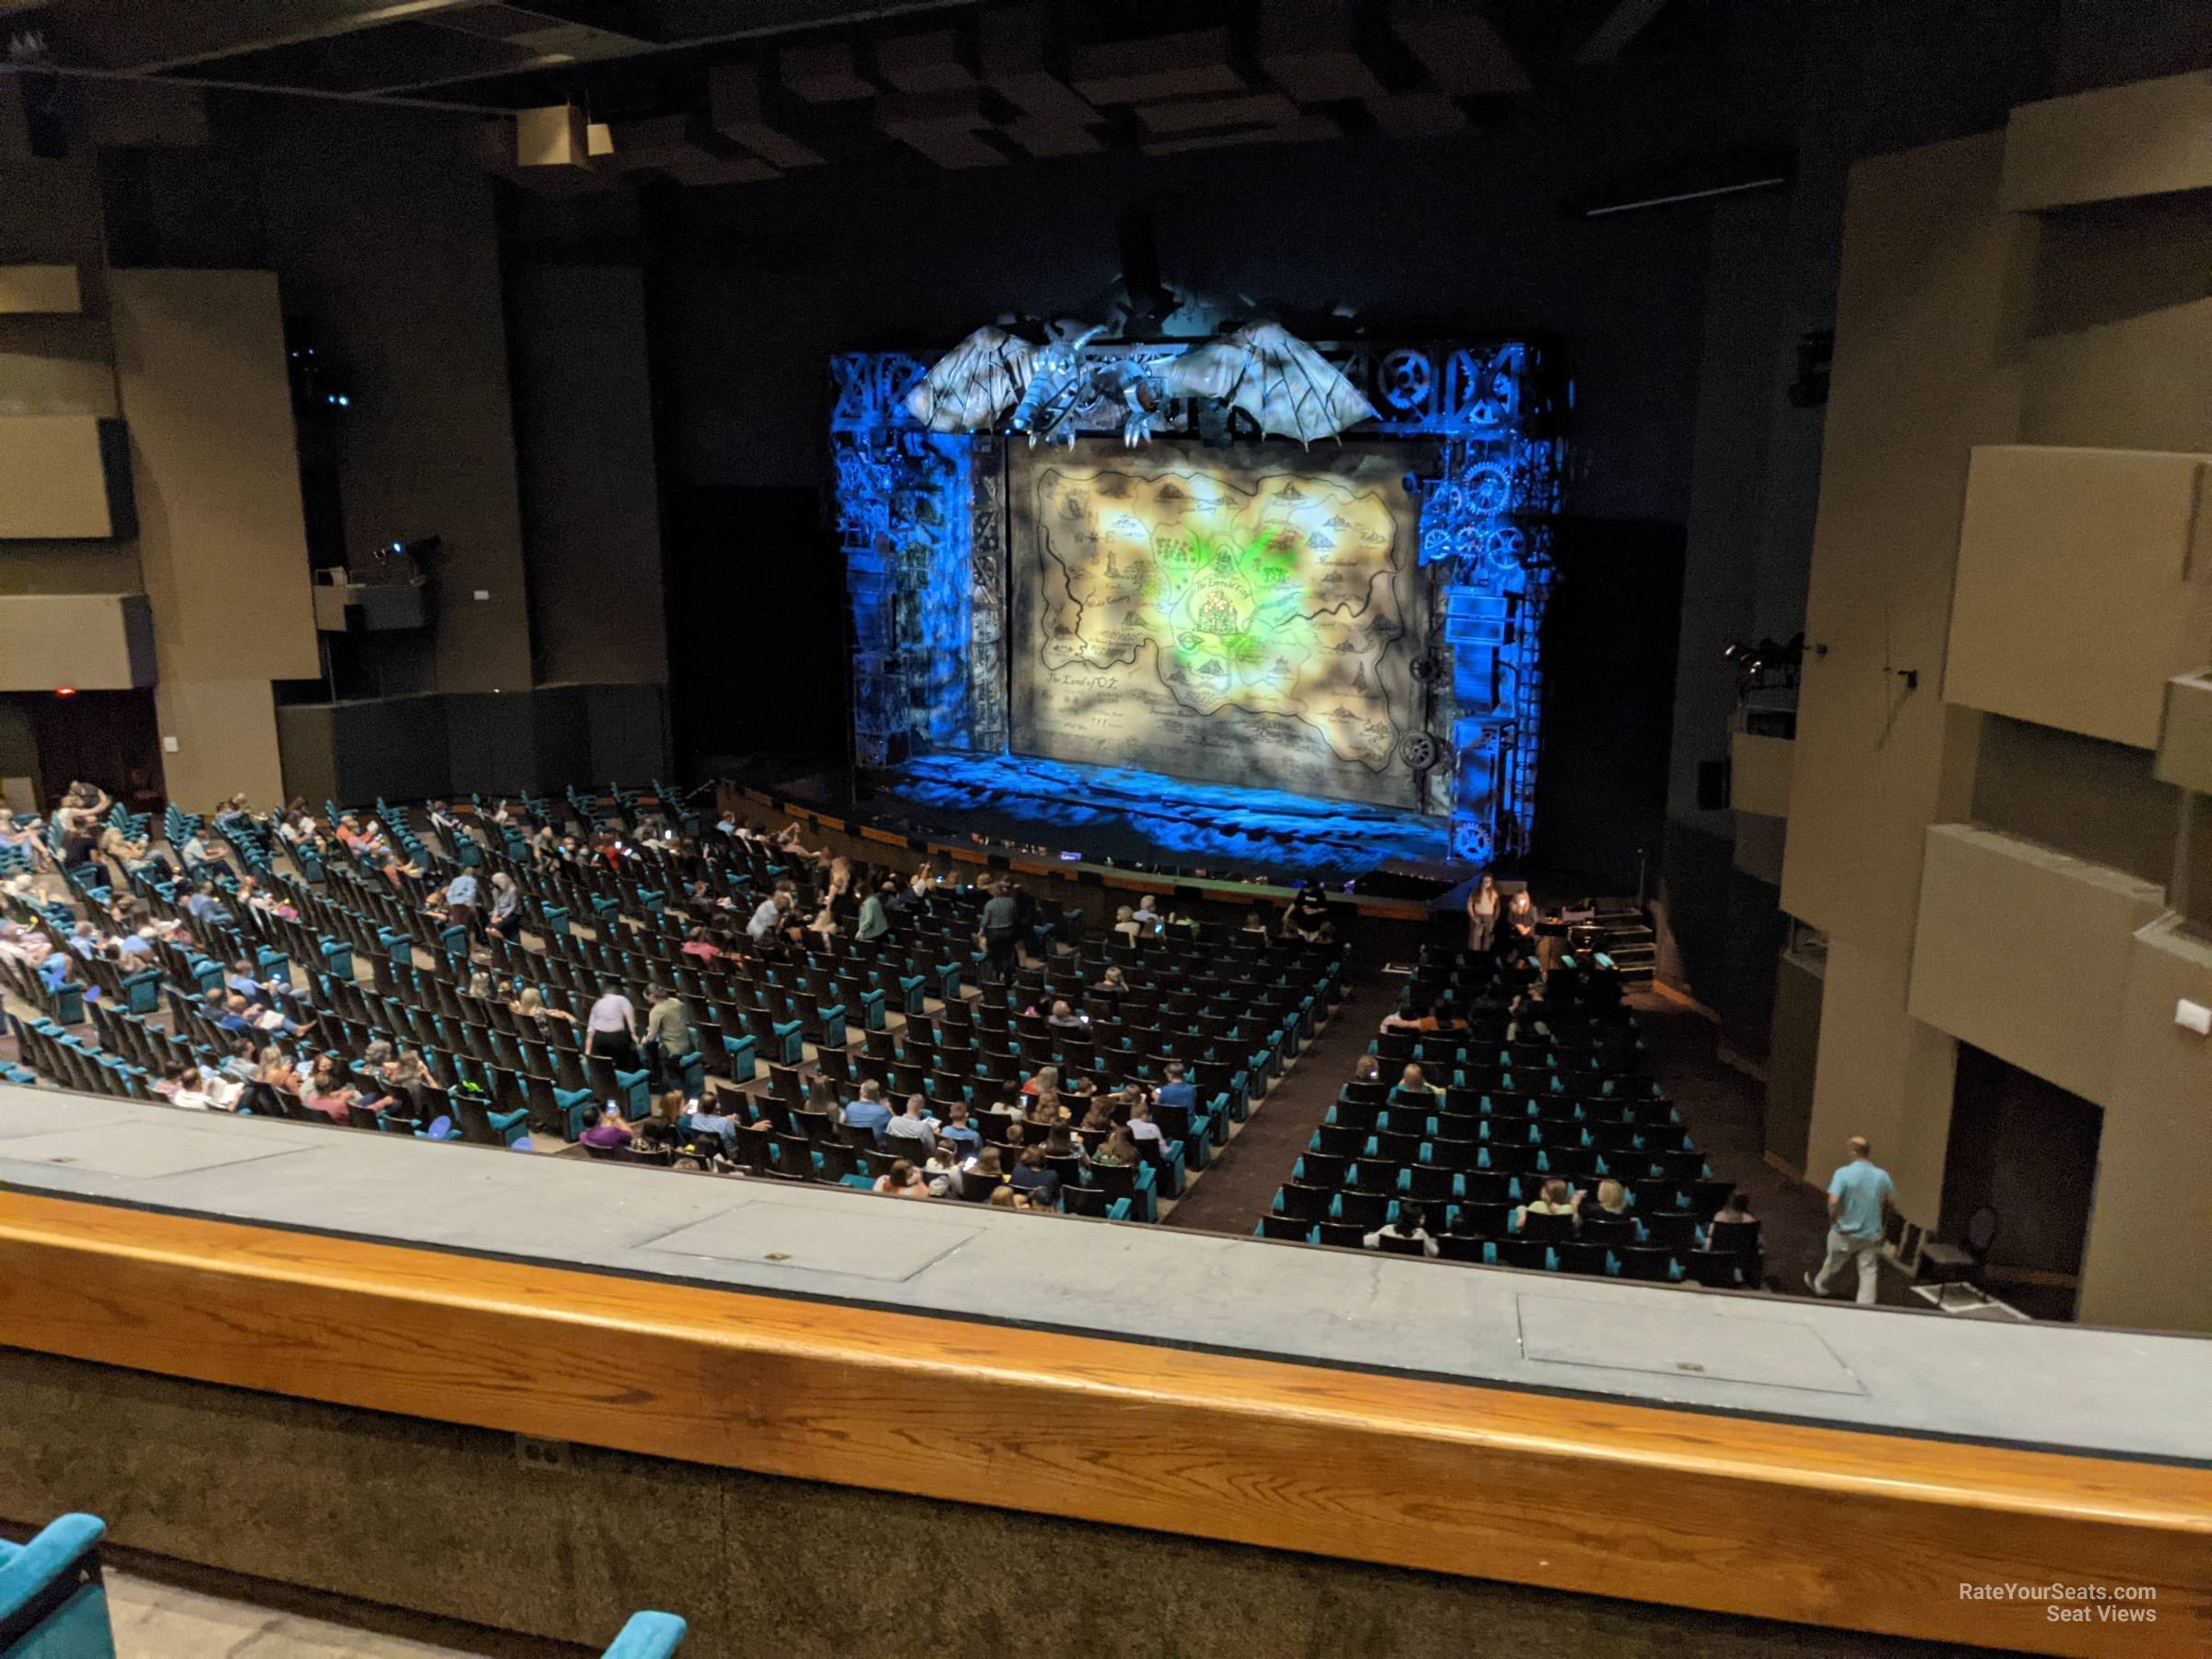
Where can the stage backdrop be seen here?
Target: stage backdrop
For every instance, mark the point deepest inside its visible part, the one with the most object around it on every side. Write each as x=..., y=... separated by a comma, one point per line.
x=1240, y=615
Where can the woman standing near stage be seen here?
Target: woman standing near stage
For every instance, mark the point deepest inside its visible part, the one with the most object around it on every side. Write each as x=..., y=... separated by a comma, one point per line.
x=1521, y=923
x=1482, y=913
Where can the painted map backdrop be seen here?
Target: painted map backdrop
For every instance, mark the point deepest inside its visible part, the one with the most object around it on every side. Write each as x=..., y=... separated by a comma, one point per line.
x=1243, y=616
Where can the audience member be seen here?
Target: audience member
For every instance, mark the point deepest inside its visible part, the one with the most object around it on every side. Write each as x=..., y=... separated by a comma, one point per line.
x=1609, y=1203
x=1034, y=1176
x=1557, y=1199
x=902, y=1181
x=942, y=1172
x=957, y=1132
x=1406, y=1227
x=1178, y=1090
x=610, y=1029
x=1735, y=1211
x=868, y=1113
x=1482, y=913
x=912, y=1132
x=1859, y=1195
x=608, y=1129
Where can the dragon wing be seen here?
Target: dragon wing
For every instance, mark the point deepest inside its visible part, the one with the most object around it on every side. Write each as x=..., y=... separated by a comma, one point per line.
x=1275, y=377
x=975, y=383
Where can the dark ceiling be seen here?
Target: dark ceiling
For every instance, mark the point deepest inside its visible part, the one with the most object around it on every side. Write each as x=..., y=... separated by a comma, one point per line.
x=733, y=90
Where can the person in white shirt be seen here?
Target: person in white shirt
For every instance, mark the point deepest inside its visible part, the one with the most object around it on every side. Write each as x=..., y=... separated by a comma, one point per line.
x=767, y=917
x=1144, y=1131
x=611, y=1029
x=1407, y=1227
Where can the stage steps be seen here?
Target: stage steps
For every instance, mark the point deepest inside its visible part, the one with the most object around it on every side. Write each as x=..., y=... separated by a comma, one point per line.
x=1628, y=939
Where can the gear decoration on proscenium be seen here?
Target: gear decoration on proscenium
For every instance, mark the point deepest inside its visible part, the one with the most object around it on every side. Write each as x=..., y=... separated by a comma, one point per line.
x=1427, y=668
x=1407, y=379
x=1420, y=750
x=1490, y=488
x=1480, y=389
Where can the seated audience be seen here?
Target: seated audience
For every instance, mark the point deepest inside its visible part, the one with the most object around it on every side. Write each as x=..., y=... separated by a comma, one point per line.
x=1034, y=1176
x=1178, y=1090
x=868, y=1113
x=1413, y=1080
x=902, y=1181
x=1406, y=1227
x=913, y=1131
x=957, y=1131
x=1119, y=1150
x=1609, y=1203
x=942, y=1172
x=326, y=1089
x=1557, y=1199
x=1144, y=1131
x=1736, y=1210
x=608, y=1129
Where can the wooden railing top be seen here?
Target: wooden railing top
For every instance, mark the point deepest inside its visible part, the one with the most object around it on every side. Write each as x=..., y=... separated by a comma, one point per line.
x=1846, y=1527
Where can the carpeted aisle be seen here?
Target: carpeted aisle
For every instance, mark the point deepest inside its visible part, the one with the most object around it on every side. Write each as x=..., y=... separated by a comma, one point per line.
x=1239, y=1186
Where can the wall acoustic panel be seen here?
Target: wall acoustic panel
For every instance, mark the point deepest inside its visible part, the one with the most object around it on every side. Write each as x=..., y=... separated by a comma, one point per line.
x=90, y=642
x=2085, y=584
x=49, y=290
x=64, y=477
x=2023, y=951
x=2154, y=1158
x=1758, y=774
x=222, y=539
x=2143, y=139
x=2185, y=737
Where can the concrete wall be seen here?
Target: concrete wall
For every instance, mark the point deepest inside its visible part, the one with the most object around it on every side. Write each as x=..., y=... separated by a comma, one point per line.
x=385, y=236
x=200, y=359
x=90, y=642
x=1989, y=845
x=1926, y=366
x=450, y=1521
x=591, y=503
x=2032, y=781
x=2155, y=1162
x=2023, y=951
x=2085, y=581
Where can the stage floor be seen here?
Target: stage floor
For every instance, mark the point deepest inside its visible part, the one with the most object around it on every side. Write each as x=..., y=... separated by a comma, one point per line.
x=1106, y=814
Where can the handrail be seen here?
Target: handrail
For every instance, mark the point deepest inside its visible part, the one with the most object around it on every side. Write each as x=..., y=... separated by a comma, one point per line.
x=1677, y=1507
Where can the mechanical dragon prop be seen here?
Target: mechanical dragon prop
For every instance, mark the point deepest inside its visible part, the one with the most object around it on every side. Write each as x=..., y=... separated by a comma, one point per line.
x=1281, y=381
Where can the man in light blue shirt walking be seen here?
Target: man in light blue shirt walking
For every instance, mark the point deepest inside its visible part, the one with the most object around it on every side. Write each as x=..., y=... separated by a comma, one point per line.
x=1858, y=1195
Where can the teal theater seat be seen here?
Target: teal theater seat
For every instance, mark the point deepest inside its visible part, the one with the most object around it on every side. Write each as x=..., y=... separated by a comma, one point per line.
x=53, y=1602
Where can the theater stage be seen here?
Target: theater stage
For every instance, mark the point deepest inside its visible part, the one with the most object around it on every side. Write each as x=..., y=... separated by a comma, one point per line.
x=1120, y=816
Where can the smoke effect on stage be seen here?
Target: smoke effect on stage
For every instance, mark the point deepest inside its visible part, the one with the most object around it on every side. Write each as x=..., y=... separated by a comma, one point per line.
x=1246, y=617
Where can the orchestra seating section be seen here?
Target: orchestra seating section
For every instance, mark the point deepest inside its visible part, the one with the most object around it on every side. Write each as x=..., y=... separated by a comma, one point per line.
x=1548, y=1078
x=363, y=957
